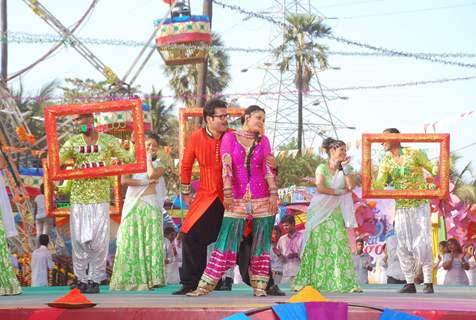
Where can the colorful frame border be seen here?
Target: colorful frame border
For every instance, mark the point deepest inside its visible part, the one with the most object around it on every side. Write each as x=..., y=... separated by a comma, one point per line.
x=53, y=112
x=50, y=209
x=443, y=168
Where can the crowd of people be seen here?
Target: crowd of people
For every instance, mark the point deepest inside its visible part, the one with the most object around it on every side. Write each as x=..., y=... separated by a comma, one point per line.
x=230, y=229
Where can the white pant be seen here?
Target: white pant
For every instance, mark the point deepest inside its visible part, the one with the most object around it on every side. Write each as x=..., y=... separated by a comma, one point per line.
x=42, y=225
x=89, y=224
x=414, y=248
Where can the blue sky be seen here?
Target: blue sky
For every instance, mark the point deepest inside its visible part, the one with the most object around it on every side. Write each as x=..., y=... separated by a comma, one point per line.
x=413, y=26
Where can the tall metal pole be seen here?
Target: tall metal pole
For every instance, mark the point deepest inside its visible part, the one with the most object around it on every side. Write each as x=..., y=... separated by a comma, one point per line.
x=4, y=39
x=202, y=68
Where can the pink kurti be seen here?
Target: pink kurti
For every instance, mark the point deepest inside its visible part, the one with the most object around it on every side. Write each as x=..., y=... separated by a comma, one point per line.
x=250, y=195
x=259, y=170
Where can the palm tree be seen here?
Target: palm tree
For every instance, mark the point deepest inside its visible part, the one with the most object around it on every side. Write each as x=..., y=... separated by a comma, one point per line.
x=467, y=192
x=165, y=125
x=202, y=68
x=32, y=108
x=299, y=48
x=184, y=78
x=78, y=90
x=163, y=122
x=465, y=189
x=297, y=171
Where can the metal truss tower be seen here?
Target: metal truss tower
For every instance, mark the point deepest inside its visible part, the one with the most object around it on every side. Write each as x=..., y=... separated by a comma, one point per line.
x=280, y=93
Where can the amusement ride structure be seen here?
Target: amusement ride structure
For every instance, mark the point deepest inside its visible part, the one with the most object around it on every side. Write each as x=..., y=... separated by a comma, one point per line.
x=281, y=104
x=180, y=38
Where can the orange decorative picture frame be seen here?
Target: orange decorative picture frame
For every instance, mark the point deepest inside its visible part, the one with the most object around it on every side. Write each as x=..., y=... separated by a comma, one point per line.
x=52, y=211
x=53, y=112
x=442, y=189
x=184, y=130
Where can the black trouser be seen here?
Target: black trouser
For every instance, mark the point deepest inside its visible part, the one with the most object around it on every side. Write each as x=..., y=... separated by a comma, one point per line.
x=195, y=242
x=244, y=258
x=392, y=280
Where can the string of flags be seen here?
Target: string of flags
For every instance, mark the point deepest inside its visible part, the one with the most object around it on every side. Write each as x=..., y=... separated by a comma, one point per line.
x=430, y=127
x=311, y=304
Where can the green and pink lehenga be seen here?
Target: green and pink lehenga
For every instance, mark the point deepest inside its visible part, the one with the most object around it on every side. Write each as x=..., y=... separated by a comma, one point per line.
x=246, y=172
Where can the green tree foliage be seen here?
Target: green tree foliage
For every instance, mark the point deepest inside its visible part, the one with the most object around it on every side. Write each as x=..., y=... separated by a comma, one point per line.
x=293, y=170
x=32, y=107
x=183, y=79
x=78, y=90
x=464, y=180
x=301, y=50
x=164, y=124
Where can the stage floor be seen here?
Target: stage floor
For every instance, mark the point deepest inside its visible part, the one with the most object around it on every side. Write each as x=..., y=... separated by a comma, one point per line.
x=447, y=300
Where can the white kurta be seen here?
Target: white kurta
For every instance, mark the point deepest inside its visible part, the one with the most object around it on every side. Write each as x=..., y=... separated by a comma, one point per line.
x=290, y=245
x=172, y=256
x=471, y=273
x=456, y=275
x=440, y=271
x=361, y=263
x=40, y=206
x=41, y=262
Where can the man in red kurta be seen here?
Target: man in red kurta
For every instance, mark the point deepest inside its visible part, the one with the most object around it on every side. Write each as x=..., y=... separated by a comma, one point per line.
x=203, y=221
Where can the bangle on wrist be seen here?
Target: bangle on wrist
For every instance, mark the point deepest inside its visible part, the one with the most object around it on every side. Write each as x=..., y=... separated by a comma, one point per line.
x=346, y=169
x=186, y=188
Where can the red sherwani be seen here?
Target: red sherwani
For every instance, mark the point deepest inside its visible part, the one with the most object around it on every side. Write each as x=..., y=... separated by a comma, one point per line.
x=206, y=150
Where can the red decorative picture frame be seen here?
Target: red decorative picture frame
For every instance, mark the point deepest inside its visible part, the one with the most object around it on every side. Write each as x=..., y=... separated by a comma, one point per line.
x=49, y=188
x=53, y=112
x=185, y=131
x=442, y=189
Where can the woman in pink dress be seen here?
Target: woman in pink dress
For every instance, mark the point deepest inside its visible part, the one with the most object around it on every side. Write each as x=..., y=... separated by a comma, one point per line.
x=250, y=200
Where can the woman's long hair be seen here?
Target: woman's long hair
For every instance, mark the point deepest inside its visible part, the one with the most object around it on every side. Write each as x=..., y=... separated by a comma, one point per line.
x=457, y=245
